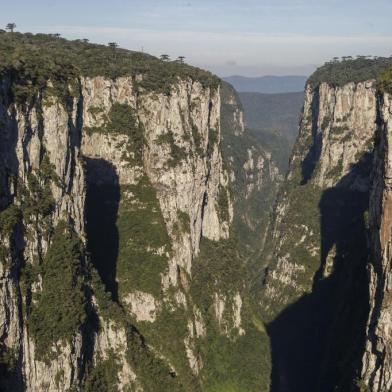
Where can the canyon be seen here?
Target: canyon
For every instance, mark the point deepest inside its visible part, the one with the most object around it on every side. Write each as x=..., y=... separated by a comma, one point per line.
x=150, y=242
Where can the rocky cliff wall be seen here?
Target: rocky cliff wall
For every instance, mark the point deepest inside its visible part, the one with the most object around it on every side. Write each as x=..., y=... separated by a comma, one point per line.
x=120, y=268
x=315, y=284
x=376, y=366
x=336, y=134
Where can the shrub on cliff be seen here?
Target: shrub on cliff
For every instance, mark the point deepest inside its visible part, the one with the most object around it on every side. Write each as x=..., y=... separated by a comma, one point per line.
x=58, y=309
x=384, y=81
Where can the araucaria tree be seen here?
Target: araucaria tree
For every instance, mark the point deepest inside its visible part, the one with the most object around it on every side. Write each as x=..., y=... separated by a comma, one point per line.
x=113, y=45
x=11, y=27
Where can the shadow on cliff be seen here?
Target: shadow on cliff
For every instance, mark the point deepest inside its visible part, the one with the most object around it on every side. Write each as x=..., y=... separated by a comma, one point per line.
x=102, y=201
x=317, y=342
x=310, y=161
x=11, y=377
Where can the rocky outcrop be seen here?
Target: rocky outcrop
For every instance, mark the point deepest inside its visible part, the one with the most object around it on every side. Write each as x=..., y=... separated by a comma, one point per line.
x=43, y=180
x=315, y=282
x=377, y=361
x=334, y=146
x=116, y=203
x=191, y=184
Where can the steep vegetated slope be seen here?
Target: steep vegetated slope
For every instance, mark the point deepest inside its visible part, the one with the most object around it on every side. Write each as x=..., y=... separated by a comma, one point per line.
x=273, y=112
x=124, y=224
x=315, y=289
x=273, y=120
x=256, y=176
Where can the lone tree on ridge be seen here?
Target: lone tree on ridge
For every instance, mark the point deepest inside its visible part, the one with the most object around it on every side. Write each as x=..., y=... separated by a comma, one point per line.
x=11, y=27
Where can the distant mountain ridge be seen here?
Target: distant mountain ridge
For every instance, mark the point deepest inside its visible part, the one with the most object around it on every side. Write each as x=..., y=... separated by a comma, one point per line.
x=267, y=84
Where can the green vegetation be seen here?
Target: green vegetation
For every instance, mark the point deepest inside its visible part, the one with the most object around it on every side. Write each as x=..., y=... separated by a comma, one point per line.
x=57, y=312
x=339, y=73
x=184, y=222
x=197, y=139
x=143, y=239
x=9, y=217
x=11, y=27
x=177, y=153
x=242, y=365
x=273, y=113
x=122, y=120
x=154, y=373
x=95, y=110
x=32, y=60
x=37, y=199
x=223, y=205
x=361, y=384
x=277, y=145
x=299, y=234
x=336, y=172
x=252, y=210
x=252, y=207
x=42, y=66
x=167, y=336
x=337, y=131
x=213, y=139
x=108, y=309
x=326, y=122
x=103, y=377
x=384, y=81
x=303, y=213
x=220, y=268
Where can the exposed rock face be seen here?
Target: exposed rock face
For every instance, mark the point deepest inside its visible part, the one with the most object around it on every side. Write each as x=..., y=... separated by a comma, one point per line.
x=138, y=180
x=336, y=135
x=377, y=360
x=318, y=246
x=32, y=137
x=192, y=185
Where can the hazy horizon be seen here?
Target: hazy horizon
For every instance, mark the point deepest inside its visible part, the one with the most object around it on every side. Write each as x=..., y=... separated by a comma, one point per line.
x=254, y=38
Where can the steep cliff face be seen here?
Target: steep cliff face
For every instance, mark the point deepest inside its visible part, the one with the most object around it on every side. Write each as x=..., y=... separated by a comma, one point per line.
x=315, y=286
x=43, y=187
x=336, y=134
x=120, y=265
x=377, y=361
x=167, y=201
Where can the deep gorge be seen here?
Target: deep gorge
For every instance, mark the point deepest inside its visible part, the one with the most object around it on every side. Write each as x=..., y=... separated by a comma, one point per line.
x=150, y=241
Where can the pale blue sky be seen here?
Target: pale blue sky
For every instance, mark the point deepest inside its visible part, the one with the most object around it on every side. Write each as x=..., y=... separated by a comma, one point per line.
x=249, y=37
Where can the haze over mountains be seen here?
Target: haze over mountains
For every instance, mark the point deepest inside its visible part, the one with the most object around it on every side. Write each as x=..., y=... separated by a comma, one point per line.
x=272, y=106
x=273, y=112
x=267, y=84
